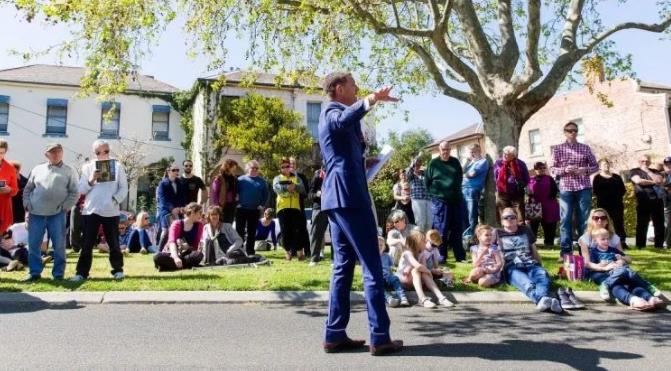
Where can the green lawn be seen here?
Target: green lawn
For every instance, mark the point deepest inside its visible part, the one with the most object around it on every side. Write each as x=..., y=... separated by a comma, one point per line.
x=281, y=275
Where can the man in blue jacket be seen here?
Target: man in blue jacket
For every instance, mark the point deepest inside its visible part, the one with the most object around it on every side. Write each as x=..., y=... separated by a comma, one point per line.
x=346, y=200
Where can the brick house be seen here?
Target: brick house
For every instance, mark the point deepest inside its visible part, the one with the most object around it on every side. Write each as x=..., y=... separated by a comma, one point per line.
x=635, y=122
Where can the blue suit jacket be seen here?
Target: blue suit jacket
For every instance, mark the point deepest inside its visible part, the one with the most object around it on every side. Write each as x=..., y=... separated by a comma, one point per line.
x=342, y=146
x=167, y=199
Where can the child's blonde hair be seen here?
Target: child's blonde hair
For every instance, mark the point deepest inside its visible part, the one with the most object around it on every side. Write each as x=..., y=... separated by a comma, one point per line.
x=140, y=218
x=434, y=236
x=481, y=229
x=415, y=242
x=600, y=232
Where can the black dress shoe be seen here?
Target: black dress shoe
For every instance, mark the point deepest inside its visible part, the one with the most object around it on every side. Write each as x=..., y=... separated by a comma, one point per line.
x=391, y=347
x=345, y=345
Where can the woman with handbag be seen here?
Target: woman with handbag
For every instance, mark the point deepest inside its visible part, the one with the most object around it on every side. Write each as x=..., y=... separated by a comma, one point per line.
x=511, y=176
x=542, y=208
x=183, y=248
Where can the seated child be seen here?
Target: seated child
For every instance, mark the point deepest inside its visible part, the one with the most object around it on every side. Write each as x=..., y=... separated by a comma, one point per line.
x=412, y=273
x=390, y=280
x=431, y=258
x=610, y=268
x=124, y=234
x=264, y=229
x=12, y=256
x=487, y=259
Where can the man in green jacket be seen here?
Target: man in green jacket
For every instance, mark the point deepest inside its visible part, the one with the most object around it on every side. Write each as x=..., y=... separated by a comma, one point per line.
x=443, y=179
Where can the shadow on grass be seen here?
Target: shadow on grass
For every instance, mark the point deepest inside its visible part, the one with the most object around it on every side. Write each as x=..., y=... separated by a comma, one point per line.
x=520, y=350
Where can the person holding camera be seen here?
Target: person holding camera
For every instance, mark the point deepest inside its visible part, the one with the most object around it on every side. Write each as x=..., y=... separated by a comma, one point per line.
x=183, y=248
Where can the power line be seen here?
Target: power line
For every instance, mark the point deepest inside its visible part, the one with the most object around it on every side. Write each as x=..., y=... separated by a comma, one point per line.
x=95, y=131
x=77, y=153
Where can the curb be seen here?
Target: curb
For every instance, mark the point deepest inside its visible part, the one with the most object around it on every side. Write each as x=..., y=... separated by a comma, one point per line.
x=242, y=297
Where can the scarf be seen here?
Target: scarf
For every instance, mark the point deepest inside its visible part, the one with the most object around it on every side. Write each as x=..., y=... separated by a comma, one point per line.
x=502, y=179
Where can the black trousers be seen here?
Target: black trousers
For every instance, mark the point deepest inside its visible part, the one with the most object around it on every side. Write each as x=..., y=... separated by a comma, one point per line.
x=76, y=229
x=164, y=262
x=294, y=229
x=646, y=210
x=228, y=213
x=549, y=231
x=320, y=221
x=245, y=224
x=111, y=230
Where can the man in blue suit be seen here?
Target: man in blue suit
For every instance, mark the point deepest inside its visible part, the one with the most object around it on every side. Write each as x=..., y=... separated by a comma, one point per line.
x=346, y=200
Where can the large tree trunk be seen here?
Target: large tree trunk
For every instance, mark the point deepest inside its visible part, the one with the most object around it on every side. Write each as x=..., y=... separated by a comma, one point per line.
x=502, y=128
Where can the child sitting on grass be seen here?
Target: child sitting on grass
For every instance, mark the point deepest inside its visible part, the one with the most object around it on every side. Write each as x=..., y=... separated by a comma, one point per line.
x=412, y=273
x=391, y=280
x=487, y=259
x=610, y=269
x=431, y=259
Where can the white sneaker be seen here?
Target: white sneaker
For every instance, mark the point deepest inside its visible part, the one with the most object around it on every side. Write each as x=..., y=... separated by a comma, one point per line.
x=427, y=303
x=312, y=264
x=446, y=302
x=118, y=276
x=77, y=278
x=544, y=304
x=405, y=302
x=393, y=302
x=555, y=306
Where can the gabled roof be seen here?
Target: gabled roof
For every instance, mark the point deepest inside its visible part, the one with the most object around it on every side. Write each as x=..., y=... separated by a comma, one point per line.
x=258, y=78
x=469, y=131
x=71, y=76
x=653, y=85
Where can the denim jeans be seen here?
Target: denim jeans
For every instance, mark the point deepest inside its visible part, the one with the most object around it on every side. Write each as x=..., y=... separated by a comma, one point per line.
x=533, y=281
x=471, y=199
x=394, y=283
x=448, y=220
x=623, y=283
x=568, y=200
x=55, y=226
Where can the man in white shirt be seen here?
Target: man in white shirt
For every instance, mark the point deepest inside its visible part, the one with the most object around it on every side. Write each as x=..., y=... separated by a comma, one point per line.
x=104, y=193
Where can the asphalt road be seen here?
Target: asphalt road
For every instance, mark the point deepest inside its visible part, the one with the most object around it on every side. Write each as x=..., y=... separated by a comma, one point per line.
x=257, y=336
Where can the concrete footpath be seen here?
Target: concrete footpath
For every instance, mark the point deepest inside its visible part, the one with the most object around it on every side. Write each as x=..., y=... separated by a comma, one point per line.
x=237, y=297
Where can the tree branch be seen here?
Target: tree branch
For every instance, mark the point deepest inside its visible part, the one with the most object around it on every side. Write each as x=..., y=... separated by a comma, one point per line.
x=656, y=27
x=482, y=51
x=435, y=72
x=456, y=63
x=532, y=70
x=382, y=28
x=568, y=38
x=510, y=52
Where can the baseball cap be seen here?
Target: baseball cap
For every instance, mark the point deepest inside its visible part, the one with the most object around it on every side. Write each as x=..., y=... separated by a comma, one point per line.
x=667, y=160
x=52, y=146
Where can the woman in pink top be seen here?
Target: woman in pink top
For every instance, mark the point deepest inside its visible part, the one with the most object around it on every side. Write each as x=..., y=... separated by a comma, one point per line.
x=183, y=248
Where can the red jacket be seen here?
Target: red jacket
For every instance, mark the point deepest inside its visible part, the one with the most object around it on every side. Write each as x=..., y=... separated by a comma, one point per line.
x=8, y=174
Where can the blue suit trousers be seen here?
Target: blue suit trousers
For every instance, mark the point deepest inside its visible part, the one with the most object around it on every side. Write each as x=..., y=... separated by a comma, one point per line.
x=354, y=234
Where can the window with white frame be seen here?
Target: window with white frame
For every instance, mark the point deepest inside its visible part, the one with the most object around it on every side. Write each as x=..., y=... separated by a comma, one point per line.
x=4, y=113
x=535, y=142
x=57, y=116
x=314, y=109
x=160, y=122
x=110, y=115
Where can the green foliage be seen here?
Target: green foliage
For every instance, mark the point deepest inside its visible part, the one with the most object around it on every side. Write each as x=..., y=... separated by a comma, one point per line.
x=630, y=210
x=262, y=128
x=406, y=147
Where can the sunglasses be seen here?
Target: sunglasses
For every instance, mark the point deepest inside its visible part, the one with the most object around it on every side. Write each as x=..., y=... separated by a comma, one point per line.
x=571, y=131
x=285, y=167
x=254, y=168
x=509, y=217
x=397, y=221
x=597, y=218
x=174, y=170
x=107, y=151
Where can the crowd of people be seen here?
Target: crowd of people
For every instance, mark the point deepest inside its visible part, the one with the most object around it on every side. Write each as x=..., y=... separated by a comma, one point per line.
x=437, y=209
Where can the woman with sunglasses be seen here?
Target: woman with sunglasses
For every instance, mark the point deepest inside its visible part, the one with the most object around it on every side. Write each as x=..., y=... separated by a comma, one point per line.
x=522, y=264
x=288, y=188
x=139, y=240
x=609, y=190
x=170, y=199
x=599, y=219
x=396, y=236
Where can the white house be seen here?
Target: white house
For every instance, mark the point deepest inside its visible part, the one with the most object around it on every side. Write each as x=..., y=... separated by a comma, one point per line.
x=297, y=97
x=40, y=104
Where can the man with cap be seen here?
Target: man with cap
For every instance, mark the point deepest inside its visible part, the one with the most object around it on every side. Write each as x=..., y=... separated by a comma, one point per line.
x=52, y=189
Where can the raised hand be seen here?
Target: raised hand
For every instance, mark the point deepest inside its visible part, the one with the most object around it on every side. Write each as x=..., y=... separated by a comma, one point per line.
x=383, y=95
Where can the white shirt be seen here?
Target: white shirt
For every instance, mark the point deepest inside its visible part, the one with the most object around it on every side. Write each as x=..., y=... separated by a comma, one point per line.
x=20, y=234
x=103, y=198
